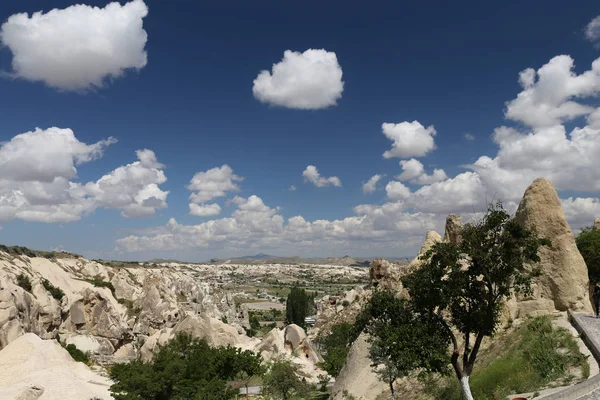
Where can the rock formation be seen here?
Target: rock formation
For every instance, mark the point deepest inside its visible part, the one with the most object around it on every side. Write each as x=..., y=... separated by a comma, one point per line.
x=357, y=377
x=453, y=228
x=431, y=238
x=32, y=368
x=564, y=281
x=384, y=274
x=596, y=224
x=296, y=341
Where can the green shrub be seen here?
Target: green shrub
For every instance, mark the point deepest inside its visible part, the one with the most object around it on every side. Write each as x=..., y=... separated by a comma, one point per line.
x=538, y=355
x=24, y=281
x=57, y=293
x=97, y=282
x=77, y=354
x=185, y=368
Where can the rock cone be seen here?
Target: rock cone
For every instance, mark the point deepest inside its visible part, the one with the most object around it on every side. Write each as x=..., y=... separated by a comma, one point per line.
x=564, y=281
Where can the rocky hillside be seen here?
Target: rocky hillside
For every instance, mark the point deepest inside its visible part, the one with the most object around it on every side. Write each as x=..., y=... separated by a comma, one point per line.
x=118, y=312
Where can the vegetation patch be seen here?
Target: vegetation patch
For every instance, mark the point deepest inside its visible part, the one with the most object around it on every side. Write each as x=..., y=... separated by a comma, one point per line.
x=24, y=281
x=535, y=356
x=55, y=292
x=24, y=251
x=98, y=282
x=336, y=345
x=185, y=368
x=77, y=354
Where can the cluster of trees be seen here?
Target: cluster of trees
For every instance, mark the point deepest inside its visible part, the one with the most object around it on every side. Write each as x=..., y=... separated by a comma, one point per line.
x=336, y=346
x=189, y=369
x=185, y=368
x=299, y=305
x=456, y=294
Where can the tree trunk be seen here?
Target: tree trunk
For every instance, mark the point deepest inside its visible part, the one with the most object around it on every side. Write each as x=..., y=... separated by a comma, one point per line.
x=465, y=388
x=246, y=390
x=392, y=390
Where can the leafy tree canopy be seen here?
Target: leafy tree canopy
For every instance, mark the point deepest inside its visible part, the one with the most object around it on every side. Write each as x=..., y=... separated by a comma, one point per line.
x=185, y=368
x=461, y=288
x=588, y=243
x=282, y=381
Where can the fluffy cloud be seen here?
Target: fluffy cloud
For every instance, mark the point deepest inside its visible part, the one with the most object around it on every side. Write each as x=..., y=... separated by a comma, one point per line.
x=371, y=185
x=411, y=139
x=36, y=172
x=397, y=191
x=213, y=183
x=312, y=175
x=581, y=211
x=413, y=171
x=592, y=30
x=469, y=136
x=292, y=188
x=132, y=188
x=204, y=210
x=255, y=224
x=309, y=80
x=43, y=155
x=79, y=47
x=548, y=95
x=543, y=147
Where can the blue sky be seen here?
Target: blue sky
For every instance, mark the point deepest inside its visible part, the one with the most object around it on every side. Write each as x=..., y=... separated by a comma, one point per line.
x=192, y=103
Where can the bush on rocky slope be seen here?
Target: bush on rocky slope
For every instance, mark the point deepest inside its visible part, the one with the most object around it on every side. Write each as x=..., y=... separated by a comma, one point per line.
x=24, y=281
x=56, y=292
x=535, y=356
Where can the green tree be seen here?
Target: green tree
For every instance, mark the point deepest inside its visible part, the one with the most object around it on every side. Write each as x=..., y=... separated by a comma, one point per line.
x=402, y=340
x=248, y=366
x=588, y=243
x=185, y=368
x=463, y=286
x=337, y=344
x=297, y=306
x=282, y=381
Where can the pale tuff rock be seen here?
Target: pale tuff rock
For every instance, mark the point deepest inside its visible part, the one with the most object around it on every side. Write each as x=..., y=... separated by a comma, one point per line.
x=357, y=377
x=597, y=224
x=564, y=281
x=331, y=310
x=293, y=344
x=32, y=368
x=431, y=238
x=383, y=273
x=272, y=344
x=298, y=343
x=453, y=227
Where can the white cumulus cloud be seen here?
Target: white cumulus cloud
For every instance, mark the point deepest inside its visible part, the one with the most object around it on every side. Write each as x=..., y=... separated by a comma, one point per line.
x=204, y=210
x=411, y=139
x=38, y=171
x=79, y=47
x=312, y=175
x=539, y=144
x=549, y=94
x=371, y=185
x=397, y=191
x=309, y=80
x=213, y=183
x=414, y=171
